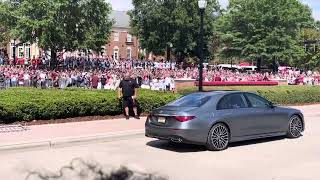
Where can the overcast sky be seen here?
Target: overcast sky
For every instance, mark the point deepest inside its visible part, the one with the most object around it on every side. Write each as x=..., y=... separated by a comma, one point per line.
x=124, y=5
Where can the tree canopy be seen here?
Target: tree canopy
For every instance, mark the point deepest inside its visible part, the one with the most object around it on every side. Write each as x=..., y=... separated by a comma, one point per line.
x=5, y=22
x=254, y=29
x=311, y=37
x=158, y=23
x=59, y=25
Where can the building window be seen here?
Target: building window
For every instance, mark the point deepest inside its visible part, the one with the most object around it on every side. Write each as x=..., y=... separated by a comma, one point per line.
x=116, y=36
x=103, y=51
x=129, y=53
x=20, y=52
x=27, y=51
x=116, y=53
x=11, y=50
x=129, y=37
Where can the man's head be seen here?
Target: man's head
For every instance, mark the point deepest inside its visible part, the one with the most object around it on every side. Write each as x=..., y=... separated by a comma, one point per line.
x=127, y=76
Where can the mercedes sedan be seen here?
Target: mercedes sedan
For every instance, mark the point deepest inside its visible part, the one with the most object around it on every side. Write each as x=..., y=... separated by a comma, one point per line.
x=218, y=118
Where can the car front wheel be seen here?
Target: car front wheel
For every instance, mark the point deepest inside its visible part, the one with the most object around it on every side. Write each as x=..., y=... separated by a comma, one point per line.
x=218, y=138
x=295, y=127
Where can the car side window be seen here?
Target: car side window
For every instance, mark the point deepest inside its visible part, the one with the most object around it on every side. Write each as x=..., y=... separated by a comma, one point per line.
x=256, y=101
x=232, y=101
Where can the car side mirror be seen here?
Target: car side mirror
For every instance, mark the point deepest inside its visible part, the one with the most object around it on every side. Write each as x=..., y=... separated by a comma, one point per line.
x=271, y=105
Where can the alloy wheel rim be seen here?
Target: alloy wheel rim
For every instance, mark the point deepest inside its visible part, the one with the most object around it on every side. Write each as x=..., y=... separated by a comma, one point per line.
x=220, y=137
x=296, y=127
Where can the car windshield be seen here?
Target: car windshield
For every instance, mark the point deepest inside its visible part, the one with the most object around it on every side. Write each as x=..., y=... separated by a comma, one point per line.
x=192, y=100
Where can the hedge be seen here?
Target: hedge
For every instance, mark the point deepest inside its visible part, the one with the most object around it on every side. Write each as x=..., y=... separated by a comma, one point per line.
x=282, y=95
x=26, y=104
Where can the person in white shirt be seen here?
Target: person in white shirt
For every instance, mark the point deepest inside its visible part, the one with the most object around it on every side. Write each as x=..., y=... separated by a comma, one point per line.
x=156, y=65
x=63, y=81
x=26, y=79
x=162, y=85
x=168, y=65
x=14, y=80
x=154, y=85
x=167, y=82
x=173, y=66
x=145, y=83
x=113, y=82
x=172, y=85
x=316, y=82
x=117, y=82
x=43, y=80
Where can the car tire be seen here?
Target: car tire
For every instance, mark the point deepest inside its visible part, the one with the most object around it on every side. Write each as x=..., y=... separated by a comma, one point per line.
x=218, y=138
x=295, y=127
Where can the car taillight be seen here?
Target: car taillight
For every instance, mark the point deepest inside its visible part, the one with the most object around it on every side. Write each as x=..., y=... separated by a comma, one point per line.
x=184, y=118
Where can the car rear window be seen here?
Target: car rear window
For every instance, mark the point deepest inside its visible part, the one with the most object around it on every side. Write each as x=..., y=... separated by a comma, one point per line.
x=192, y=100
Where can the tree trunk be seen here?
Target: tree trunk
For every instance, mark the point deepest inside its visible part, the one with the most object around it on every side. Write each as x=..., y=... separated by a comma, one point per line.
x=274, y=65
x=168, y=54
x=259, y=59
x=53, y=60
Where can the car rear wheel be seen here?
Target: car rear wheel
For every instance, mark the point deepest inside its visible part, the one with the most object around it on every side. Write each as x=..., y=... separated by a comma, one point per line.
x=218, y=138
x=295, y=127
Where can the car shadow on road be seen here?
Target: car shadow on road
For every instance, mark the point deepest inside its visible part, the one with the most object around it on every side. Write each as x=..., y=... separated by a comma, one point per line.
x=189, y=148
x=180, y=148
x=256, y=141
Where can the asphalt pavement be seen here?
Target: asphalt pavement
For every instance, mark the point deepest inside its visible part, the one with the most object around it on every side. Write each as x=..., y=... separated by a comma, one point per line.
x=268, y=159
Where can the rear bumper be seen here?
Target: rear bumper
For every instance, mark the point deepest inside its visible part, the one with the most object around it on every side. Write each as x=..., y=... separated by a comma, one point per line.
x=187, y=136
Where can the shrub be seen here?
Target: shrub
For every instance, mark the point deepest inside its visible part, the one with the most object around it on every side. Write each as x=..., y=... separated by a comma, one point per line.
x=28, y=104
x=33, y=104
x=284, y=95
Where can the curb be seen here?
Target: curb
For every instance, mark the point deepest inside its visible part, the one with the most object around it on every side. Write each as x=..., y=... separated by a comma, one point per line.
x=24, y=146
x=72, y=141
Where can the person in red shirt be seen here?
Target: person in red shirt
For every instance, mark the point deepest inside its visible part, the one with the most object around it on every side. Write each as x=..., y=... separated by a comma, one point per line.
x=54, y=78
x=33, y=62
x=94, y=81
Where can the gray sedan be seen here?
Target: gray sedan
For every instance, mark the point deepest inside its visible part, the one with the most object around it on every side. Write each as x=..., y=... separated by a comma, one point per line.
x=218, y=118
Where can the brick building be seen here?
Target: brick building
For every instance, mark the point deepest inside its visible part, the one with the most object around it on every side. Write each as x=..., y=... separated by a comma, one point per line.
x=122, y=44
x=23, y=51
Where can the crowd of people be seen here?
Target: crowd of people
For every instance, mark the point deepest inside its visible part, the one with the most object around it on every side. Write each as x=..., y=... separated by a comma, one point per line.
x=98, y=73
x=93, y=76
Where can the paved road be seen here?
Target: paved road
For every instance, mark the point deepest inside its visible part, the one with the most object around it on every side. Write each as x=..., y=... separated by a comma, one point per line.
x=271, y=159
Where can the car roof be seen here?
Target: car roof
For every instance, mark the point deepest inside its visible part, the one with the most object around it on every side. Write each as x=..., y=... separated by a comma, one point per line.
x=211, y=93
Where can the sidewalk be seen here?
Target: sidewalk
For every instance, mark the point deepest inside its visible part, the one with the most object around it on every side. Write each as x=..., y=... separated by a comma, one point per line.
x=67, y=133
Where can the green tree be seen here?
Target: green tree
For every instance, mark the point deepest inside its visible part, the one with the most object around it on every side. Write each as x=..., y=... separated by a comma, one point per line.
x=264, y=29
x=311, y=38
x=4, y=36
x=6, y=21
x=158, y=23
x=59, y=25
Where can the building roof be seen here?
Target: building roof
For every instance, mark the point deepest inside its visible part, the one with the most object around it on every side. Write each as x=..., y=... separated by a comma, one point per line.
x=121, y=18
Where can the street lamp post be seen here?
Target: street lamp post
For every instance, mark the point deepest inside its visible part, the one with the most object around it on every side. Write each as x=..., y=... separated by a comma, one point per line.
x=14, y=3
x=202, y=6
x=169, y=48
x=14, y=52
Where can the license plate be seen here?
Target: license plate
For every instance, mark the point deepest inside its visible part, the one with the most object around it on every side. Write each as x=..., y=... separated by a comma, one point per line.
x=161, y=120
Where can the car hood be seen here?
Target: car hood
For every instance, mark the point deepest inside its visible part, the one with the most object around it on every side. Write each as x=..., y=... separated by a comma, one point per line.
x=287, y=108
